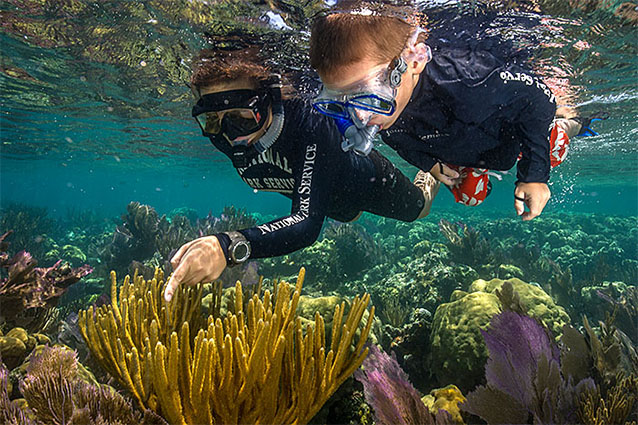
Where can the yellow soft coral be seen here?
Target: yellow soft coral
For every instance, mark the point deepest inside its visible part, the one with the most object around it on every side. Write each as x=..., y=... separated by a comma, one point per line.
x=255, y=365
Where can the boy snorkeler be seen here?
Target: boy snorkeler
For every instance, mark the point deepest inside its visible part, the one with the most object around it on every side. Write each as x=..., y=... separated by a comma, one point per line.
x=284, y=146
x=457, y=112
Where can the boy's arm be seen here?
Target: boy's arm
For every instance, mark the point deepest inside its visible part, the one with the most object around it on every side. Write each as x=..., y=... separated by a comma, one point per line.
x=533, y=123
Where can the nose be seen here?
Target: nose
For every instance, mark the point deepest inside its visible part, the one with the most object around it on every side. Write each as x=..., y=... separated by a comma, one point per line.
x=362, y=116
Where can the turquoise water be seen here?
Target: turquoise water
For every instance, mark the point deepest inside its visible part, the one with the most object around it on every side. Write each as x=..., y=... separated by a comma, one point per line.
x=95, y=114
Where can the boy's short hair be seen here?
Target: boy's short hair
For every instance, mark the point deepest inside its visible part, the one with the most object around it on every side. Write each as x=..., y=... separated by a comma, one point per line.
x=219, y=67
x=345, y=37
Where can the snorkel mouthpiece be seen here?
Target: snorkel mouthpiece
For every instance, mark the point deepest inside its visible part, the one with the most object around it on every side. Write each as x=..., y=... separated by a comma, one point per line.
x=359, y=140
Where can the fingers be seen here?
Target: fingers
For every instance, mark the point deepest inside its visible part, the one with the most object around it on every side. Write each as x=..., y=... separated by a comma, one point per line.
x=532, y=195
x=519, y=203
x=450, y=172
x=201, y=260
x=175, y=260
x=445, y=174
x=177, y=277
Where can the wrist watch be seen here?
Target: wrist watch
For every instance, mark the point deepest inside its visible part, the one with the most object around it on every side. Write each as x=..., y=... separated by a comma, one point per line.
x=238, y=250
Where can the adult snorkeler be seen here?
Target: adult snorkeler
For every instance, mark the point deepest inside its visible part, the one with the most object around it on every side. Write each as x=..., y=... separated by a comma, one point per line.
x=283, y=145
x=455, y=112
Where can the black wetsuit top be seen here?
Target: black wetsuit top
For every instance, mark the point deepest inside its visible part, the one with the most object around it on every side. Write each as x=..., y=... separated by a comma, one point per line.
x=307, y=165
x=471, y=108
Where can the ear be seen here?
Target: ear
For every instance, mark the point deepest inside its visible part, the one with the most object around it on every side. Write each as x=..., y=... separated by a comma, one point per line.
x=420, y=54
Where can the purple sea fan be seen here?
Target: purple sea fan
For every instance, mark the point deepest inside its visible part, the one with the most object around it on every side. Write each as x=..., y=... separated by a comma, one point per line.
x=516, y=344
x=387, y=389
x=523, y=373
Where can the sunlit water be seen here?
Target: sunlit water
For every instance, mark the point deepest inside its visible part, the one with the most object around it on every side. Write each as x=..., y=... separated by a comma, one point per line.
x=95, y=111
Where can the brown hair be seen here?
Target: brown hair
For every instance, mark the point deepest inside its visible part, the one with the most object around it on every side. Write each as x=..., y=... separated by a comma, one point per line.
x=340, y=39
x=219, y=67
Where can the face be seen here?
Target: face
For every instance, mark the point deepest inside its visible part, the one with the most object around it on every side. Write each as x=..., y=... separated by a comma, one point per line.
x=352, y=75
x=238, y=85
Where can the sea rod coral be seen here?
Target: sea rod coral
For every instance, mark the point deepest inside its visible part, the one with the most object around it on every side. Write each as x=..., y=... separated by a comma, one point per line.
x=255, y=365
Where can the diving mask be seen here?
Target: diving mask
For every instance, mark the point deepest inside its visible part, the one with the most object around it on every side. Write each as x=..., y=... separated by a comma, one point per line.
x=375, y=93
x=234, y=113
x=352, y=108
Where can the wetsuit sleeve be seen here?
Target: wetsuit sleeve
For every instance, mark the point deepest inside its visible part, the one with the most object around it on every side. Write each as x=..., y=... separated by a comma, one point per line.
x=302, y=227
x=534, y=127
x=416, y=157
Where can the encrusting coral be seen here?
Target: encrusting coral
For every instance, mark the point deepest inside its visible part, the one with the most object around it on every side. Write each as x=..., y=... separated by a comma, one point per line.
x=255, y=365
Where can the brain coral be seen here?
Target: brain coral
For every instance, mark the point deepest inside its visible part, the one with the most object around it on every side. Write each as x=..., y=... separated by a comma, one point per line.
x=458, y=352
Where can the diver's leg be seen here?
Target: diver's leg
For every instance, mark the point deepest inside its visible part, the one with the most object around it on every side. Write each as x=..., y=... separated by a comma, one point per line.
x=430, y=187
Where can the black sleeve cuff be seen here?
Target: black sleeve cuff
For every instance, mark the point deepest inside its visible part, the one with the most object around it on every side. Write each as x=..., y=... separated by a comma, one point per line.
x=224, y=242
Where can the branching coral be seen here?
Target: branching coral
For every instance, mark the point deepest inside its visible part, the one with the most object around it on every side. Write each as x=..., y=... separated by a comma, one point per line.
x=355, y=249
x=134, y=238
x=28, y=292
x=55, y=394
x=231, y=219
x=524, y=376
x=611, y=408
x=466, y=244
x=31, y=226
x=255, y=365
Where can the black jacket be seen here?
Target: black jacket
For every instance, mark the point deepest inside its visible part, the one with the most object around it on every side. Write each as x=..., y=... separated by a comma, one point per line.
x=471, y=108
x=307, y=165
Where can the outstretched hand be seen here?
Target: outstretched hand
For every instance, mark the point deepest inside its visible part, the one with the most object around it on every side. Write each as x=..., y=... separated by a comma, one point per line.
x=200, y=260
x=445, y=174
x=534, y=195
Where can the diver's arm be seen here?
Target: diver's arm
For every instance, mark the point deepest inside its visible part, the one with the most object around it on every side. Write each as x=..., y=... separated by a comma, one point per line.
x=533, y=124
x=204, y=259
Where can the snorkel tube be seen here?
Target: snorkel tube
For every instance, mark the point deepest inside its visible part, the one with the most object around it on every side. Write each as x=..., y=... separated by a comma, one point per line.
x=241, y=155
x=277, y=125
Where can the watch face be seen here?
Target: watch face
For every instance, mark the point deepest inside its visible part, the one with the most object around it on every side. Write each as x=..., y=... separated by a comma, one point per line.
x=241, y=252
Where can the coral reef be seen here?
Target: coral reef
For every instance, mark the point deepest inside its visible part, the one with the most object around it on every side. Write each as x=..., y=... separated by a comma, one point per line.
x=389, y=392
x=28, y=293
x=458, y=350
x=31, y=225
x=231, y=218
x=524, y=376
x=254, y=365
x=134, y=239
x=17, y=344
x=354, y=249
x=535, y=302
x=448, y=399
x=54, y=393
x=466, y=244
x=613, y=407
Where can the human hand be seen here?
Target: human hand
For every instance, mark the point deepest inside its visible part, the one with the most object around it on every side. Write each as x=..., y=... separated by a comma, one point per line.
x=200, y=260
x=534, y=195
x=445, y=174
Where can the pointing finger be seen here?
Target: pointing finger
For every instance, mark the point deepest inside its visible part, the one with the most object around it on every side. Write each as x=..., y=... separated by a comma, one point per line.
x=176, y=278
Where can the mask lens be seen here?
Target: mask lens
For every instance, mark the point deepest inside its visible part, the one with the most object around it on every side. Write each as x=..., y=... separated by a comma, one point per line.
x=242, y=122
x=209, y=122
x=332, y=108
x=373, y=103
